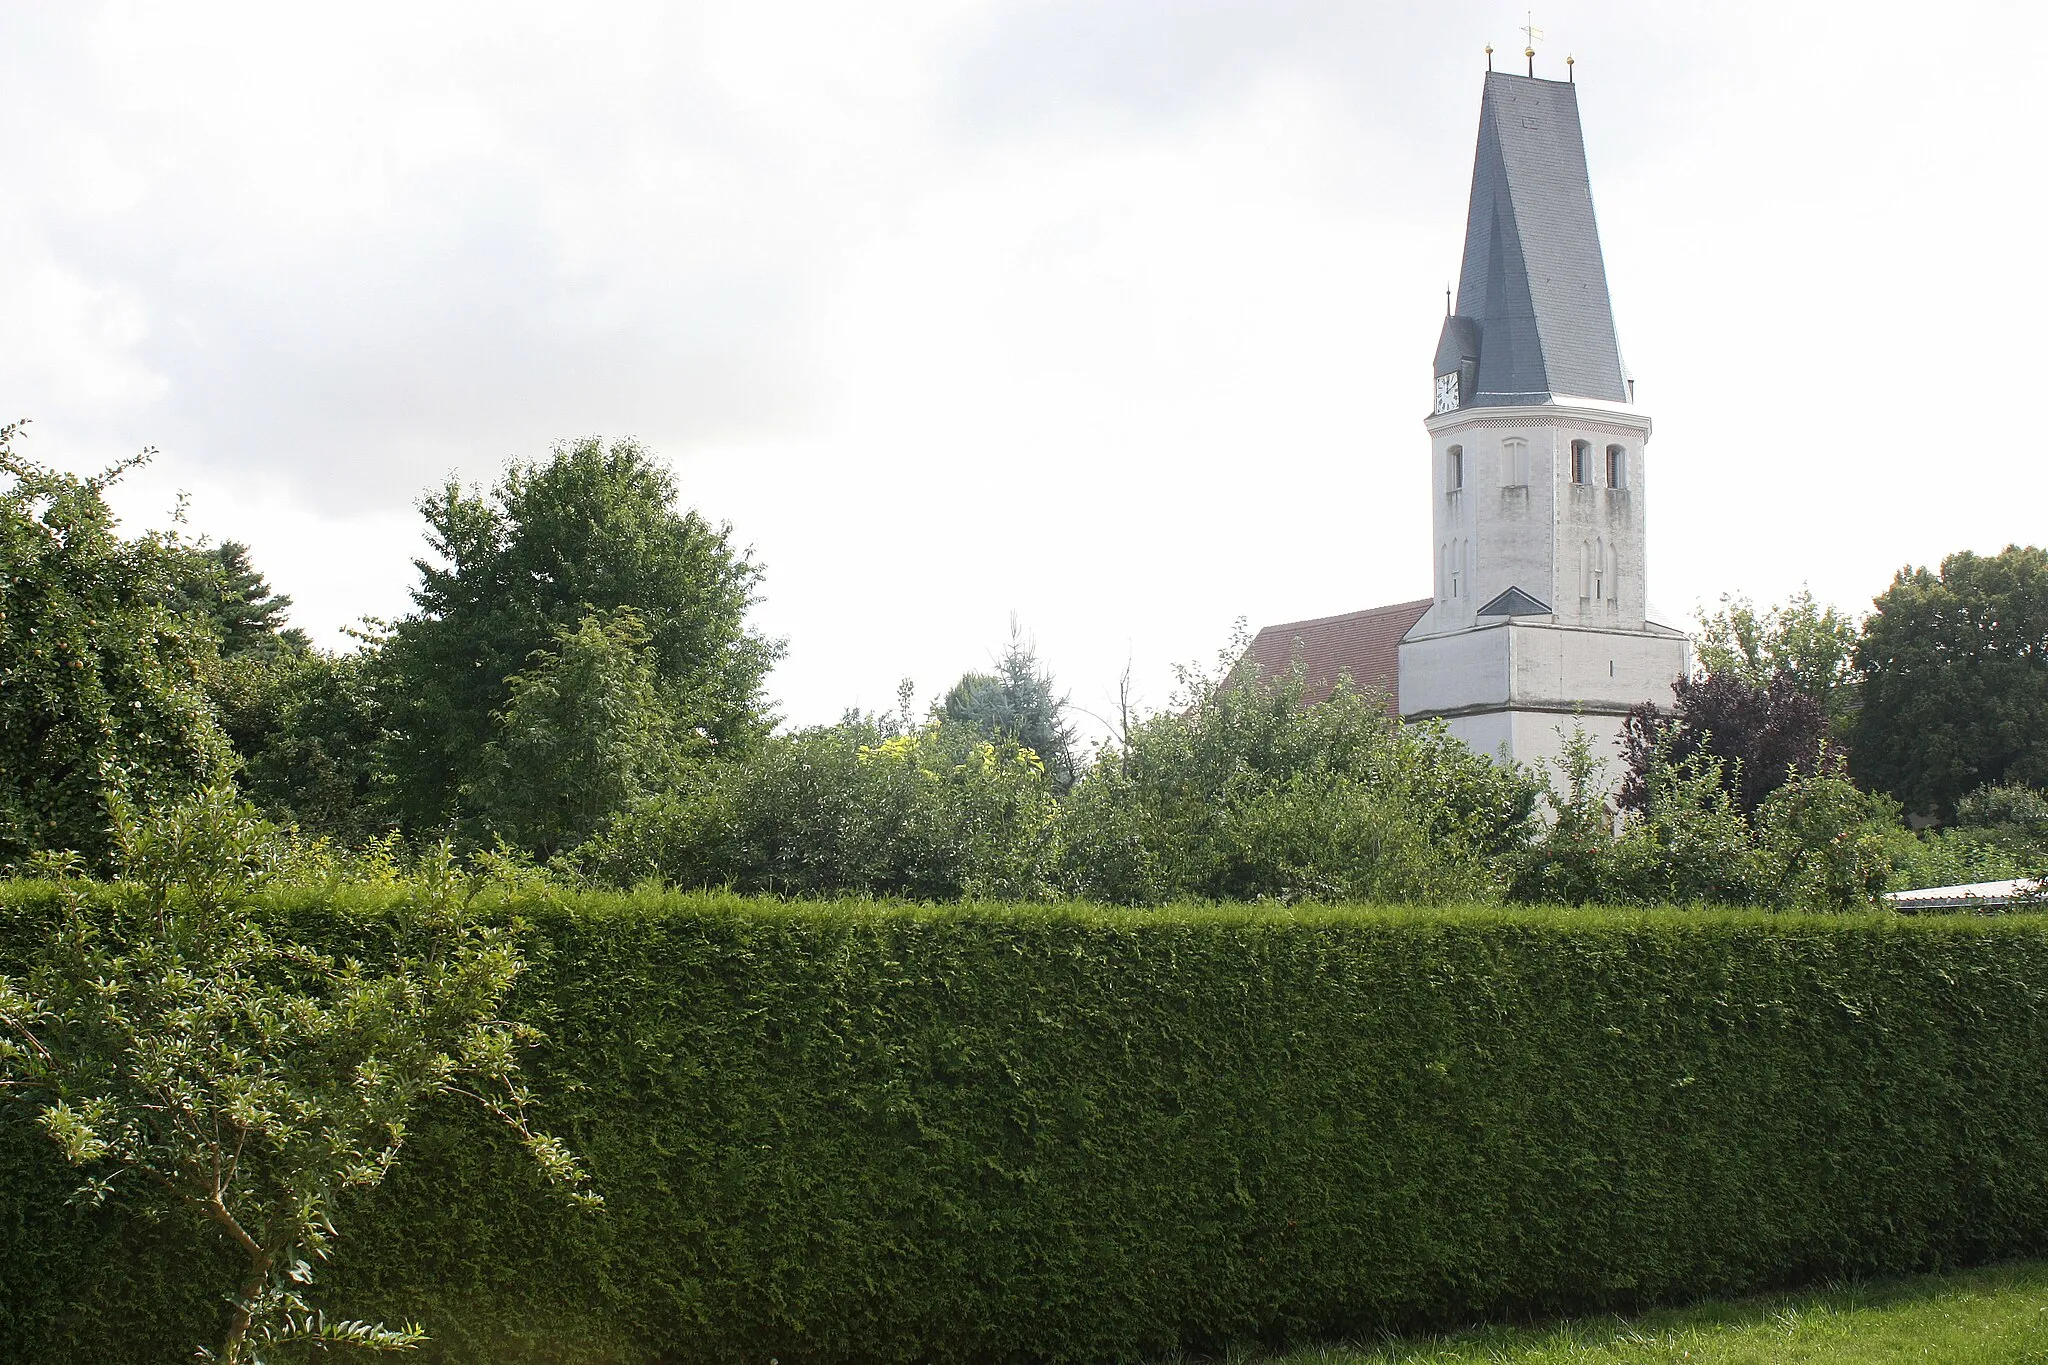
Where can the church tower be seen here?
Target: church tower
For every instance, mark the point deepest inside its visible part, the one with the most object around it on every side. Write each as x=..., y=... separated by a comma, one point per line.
x=1539, y=619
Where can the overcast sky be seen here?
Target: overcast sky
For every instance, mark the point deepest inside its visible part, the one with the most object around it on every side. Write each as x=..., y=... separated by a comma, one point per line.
x=1114, y=315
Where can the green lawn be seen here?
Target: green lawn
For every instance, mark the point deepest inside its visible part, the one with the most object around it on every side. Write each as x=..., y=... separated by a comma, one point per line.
x=1974, y=1317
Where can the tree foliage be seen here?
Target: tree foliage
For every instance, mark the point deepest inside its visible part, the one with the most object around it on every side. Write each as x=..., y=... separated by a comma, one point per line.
x=1241, y=792
x=217, y=585
x=1810, y=645
x=308, y=727
x=102, y=683
x=1813, y=842
x=1955, y=680
x=584, y=735
x=187, y=1058
x=937, y=813
x=1018, y=704
x=1758, y=733
x=593, y=528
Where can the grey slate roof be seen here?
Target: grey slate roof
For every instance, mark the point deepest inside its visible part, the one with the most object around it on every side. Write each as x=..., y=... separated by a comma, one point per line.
x=1533, y=283
x=1514, y=602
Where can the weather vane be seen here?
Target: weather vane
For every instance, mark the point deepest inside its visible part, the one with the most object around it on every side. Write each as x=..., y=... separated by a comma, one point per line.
x=1534, y=35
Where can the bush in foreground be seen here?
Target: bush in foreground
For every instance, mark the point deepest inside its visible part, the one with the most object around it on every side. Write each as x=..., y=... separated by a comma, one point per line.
x=203, y=1070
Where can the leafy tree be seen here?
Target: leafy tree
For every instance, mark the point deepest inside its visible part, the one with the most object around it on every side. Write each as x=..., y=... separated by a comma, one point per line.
x=591, y=529
x=217, y=584
x=2010, y=823
x=308, y=725
x=1018, y=704
x=1811, y=645
x=1760, y=734
x=189, y=1059
x=2019, y=811
x=937, y=813
x=102, y=684
x=1239, y=791
x=1954, y=856
x=1815, y=842
x=584, y=735
x=1827, y=845
x=1955, y=680
x=1686, y=840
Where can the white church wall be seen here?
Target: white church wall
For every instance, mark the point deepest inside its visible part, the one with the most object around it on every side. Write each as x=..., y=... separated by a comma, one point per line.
x=1537, y=739
x=1601, y=577
x=1533, y=535
x=1490, y=732
x=1516, y=537
x=1569, y=666
x=1442, y=673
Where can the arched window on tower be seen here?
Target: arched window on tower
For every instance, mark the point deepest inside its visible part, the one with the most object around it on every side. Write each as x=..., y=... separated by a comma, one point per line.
x=1599, y=593
x=1454, y=468
x=1582, y=462
x=1514, y=463
x=1617, y=467
x=1585, y=568
x=1457, y=568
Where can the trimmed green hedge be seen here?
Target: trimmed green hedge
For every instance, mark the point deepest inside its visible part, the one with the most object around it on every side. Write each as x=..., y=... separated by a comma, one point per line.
x=845, y=1132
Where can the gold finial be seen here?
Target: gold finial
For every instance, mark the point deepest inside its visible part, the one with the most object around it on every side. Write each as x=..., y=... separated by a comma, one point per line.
x=1569, y=74
x=1489, y=56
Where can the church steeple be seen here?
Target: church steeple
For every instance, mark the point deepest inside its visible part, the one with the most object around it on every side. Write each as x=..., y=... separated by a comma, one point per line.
x=1539, y=624
x=1534, y=323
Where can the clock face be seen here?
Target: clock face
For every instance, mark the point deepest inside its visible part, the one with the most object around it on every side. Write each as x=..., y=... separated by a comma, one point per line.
x=1447, y=392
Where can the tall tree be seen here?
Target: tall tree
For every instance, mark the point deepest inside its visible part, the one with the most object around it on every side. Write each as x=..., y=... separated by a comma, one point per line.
x=584, y=735
x=102, y=692
x=1811, y=645
x=308, y=725
x=593, y=528
x=1955, y=680
x=1018, y=704
x=1759, y=734
x=217, y=584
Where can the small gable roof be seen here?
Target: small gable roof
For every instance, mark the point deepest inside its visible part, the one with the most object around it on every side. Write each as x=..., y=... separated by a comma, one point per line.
x=1362, y=644
x=1514, y=602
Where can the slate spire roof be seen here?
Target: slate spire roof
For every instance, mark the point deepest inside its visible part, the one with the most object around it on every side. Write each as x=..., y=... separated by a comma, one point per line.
x=1534, y=322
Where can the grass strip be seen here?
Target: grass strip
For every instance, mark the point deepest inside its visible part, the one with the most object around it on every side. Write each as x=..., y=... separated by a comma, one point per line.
x=1973, y=1317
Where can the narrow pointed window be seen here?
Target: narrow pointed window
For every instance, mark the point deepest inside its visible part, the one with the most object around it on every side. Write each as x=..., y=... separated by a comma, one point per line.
x=1617, y=467
x=1582, y=462
x=1599, y=570
x=1585, y=569
x=1454, y=468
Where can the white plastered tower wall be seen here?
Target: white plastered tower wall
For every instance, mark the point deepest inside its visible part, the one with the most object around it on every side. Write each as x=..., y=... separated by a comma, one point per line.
x=1540, y=622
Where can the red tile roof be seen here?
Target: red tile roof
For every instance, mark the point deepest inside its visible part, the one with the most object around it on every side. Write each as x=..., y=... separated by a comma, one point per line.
x=1360, y=643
